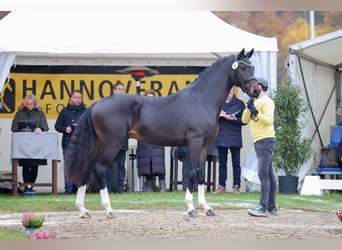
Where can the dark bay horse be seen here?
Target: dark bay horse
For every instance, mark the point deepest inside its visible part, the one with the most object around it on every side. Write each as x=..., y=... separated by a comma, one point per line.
x=187, y=118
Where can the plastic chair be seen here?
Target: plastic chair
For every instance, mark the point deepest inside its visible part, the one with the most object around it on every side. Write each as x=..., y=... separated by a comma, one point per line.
x=336, y=135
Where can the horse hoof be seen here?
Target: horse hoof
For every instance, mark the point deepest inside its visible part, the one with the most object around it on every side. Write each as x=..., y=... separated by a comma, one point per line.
x=210, y=212
x=192, y=213
x=86, y=215
x=110, y=215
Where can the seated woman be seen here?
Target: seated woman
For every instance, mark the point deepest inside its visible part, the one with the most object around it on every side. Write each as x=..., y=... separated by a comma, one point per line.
x=31, y=114
x=151, y=161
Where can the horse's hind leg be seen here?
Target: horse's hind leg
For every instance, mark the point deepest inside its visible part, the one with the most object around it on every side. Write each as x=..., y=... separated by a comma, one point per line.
x=188, y=200
x=106, y=158
x=106, y=203
x=84, y=214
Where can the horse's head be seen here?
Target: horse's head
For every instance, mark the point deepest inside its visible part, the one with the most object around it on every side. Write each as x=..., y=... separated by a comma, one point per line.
x=243, y=69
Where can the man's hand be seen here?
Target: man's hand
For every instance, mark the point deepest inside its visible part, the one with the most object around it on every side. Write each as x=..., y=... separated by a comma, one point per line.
x=250, y=103
x=68, y=130
x=252, y=108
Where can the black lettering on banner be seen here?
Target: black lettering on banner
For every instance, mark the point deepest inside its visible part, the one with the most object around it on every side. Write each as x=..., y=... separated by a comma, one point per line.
x=173, y=87
x=128, y=86
x=65, y=88
x=102, y=87
x=85, y=89
x=7, y=97
x=157, y=86
x=59, y=108
x=47, y=108
x=29, y=90
x=48, y=90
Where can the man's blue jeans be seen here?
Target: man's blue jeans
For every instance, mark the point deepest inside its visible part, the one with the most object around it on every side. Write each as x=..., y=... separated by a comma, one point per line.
x=120, y=159
x=264, y=150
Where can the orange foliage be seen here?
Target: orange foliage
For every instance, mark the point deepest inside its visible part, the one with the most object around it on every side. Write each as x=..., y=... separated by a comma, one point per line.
x=288, y=27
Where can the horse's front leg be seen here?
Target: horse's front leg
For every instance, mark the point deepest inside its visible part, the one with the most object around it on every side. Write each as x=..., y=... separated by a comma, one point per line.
x=188, y=200
x=203, y=203
x=191, y=211
x=201, y=195
x=84, y=213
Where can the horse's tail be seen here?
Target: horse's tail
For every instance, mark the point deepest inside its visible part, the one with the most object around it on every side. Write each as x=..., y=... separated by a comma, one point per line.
x=81, y=154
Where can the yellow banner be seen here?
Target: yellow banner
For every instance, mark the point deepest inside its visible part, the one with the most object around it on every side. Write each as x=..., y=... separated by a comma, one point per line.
x=53, y=90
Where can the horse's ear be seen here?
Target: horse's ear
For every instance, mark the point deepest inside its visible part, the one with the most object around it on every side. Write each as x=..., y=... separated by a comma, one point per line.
x=250, y=53
x=241, y=54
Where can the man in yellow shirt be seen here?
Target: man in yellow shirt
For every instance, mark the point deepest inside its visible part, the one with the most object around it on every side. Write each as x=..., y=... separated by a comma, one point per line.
x=260, y=114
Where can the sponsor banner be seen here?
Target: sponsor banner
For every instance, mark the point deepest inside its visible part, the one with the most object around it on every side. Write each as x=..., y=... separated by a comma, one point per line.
x=53, y=89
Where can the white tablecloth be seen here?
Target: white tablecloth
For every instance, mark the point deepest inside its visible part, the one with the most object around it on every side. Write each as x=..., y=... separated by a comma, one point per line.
x=31, y=145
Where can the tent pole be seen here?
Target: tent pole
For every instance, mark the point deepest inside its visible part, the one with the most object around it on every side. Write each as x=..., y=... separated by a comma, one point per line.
x=312, y=24
x=308, y=98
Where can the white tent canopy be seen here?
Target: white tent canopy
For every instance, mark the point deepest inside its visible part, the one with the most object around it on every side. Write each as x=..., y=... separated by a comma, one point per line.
x=163, y=38
x=323, y=50
x=316, y=65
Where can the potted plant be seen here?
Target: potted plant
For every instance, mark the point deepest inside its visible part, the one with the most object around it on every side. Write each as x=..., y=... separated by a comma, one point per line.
x=42, y=235
x=291, y=148
x=31, y=222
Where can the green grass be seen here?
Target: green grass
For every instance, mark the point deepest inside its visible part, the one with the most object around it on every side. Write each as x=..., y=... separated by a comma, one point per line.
x=175, y=200
x=12, y=235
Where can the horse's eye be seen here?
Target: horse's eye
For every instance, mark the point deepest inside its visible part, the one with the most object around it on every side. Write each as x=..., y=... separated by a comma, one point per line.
x=243, y=67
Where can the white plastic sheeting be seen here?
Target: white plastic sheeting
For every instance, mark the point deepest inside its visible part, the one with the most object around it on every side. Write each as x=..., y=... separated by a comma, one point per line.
x=316, y=66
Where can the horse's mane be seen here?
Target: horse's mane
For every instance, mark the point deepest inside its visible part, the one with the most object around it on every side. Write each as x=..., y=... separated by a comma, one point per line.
x=214, y=65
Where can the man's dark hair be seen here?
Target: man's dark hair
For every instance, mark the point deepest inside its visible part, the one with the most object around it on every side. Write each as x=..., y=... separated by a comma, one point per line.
x=118, y=83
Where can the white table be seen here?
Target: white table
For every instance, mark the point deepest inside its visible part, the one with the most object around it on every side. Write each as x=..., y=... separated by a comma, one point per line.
x=31, y=145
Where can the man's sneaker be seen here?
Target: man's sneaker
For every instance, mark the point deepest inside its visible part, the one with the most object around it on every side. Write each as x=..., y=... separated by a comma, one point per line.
x=236, y=189
x=219, y=190
x=273, y=211
x=260, y=211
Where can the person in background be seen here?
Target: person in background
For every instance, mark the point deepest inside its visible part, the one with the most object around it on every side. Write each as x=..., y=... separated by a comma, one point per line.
x=229, y=137
x=339, y=153
x=260, y=114
x=30, y=110
x=181, y=155
x=151, y=161
x=118, y=88
x=66, y=123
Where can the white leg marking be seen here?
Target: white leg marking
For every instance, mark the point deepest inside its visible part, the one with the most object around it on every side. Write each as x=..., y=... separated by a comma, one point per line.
x=201, y=199
x=80, y=200
x=188, y=200
x=105, y=201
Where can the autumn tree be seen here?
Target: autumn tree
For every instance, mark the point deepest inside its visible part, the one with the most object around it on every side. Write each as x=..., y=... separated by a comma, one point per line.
x=288, y=27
